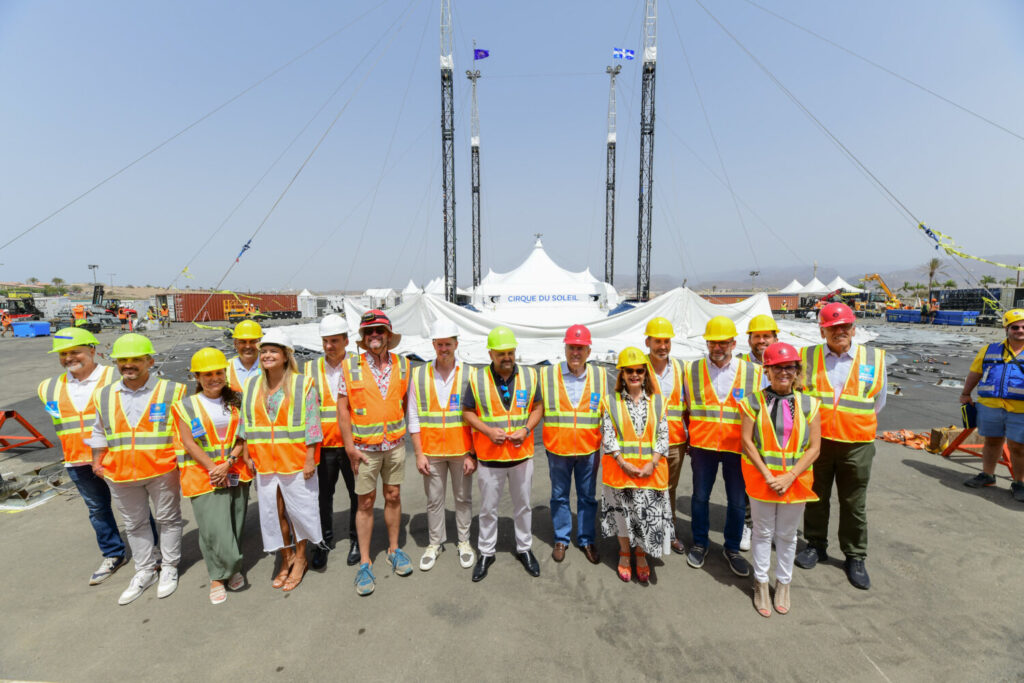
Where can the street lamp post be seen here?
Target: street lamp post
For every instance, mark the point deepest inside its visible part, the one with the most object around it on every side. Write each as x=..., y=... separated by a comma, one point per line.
x=93, y=267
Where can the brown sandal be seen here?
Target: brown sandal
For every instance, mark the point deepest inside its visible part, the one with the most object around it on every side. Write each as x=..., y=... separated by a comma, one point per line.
x=287, y=560
x=292, y=583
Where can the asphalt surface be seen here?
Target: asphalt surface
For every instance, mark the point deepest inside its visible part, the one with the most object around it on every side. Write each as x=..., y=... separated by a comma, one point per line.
x=945, y=564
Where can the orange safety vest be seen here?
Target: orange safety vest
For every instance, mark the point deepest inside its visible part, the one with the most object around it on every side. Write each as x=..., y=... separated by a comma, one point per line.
x=195, y=479
x=714, y=424
x=777, y=458
x=375, y=417
x=165, y=313
x=635, y=449
x=122, y=315
x=852, y=419
x=72, y=427
x=749, y=357
x=317, y=369
x=234, y=382
x=5, y=320
x=147, y=450
x=443, y=431
x=492, y=413
x=676, y=425
x=277, y=446
x=572, y=429
x=78, y=311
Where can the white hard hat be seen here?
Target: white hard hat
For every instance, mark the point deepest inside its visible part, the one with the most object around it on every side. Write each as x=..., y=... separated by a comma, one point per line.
x=333, y=324
x=277, y=337
x=443, y=329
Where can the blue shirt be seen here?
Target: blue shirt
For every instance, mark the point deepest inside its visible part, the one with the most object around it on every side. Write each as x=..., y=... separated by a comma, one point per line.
x=573, y=383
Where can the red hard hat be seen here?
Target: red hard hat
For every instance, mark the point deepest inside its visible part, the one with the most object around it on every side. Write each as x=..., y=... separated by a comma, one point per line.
x=781, y=352
x=835, y=314
x=374, y=318
x=578, y=335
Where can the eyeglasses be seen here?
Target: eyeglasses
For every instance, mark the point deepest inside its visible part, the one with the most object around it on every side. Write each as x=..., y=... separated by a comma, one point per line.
x=374, y=331
x=1017, y=327
x=787, y=368
x=634, y=371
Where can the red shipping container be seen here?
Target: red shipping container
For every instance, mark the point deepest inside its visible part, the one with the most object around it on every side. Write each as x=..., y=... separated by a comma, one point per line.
x=205, y=307
x=792, y=301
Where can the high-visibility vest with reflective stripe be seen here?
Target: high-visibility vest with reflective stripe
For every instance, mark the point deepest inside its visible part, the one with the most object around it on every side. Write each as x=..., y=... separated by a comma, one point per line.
x=715, y=424
x=443, y=432
x=492, y=413
x=195, y=479
x=278, y=445
x=572, y=429
x=234, y=381
x=749, y=357
x=676, y=425
x=317, y=369
x=636, y=449
x=375, y=417
x=72, y=427
x=147, y=450
x=999, y=378
x=852, y=419
x=780, y=459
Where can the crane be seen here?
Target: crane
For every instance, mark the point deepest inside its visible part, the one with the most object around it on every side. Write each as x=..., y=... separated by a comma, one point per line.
x=892, y=301
x=448, y=151
x=643, y=232
x=474, y=142
x=609, y=195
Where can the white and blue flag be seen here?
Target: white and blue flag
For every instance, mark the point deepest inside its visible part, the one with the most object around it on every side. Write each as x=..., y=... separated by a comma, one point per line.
x=620, y=53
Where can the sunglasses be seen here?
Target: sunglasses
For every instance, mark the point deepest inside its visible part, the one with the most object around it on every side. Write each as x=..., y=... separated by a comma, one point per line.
x=1017, y=327
x=787, y=368
x=374, y=331
x=634, y=371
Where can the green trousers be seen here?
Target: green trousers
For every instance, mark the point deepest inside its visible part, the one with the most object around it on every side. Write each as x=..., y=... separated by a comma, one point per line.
x=849, y=466
x=220, y=516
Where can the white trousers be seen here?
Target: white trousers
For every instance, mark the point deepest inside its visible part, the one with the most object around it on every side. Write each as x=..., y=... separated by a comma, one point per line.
x=301, y=507
x=491, y=481
x=778, y=521
x=132, y=499
x=436, y=488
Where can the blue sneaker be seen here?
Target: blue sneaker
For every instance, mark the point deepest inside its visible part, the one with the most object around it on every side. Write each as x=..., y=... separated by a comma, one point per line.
x=399, y=562
x=365, y=580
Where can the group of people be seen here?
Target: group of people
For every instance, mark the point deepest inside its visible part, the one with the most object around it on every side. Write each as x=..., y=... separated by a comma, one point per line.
x=784, y=425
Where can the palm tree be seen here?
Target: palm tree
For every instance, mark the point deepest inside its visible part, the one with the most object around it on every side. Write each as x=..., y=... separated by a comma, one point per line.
x=1008, y=281
x=57, y=281
x=906, y=287
x=949, y=284
x=933, y=267
x=33, y=280
x=987, y=280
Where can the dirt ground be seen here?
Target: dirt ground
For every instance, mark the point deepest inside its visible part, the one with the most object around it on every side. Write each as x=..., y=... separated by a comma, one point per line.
x=945, y=563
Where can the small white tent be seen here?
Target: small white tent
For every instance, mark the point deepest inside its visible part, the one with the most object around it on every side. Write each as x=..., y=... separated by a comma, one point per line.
x=840, y=283
x=411, y=288
x=815, y=286
x=793, y=287
x=307, y=304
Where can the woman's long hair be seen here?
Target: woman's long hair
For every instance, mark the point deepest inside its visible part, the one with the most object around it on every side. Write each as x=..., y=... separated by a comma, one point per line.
x=620, y=381
x=232, y=398
x=290, y=367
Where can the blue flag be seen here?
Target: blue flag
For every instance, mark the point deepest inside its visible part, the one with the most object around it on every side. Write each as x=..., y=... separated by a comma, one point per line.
x=481, y=54
x=619, y=53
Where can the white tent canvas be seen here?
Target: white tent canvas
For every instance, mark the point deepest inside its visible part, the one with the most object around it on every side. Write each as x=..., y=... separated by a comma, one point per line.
x=411, y=288
x=792, y=288
x=840, y=283
x=815, y=286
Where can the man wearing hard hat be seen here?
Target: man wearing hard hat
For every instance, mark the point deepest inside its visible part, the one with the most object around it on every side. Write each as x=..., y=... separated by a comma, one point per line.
x=762, y=332
x=999, y=377
x=443, y=443
x=246, y=339
x=668, y=373
x=713, y=388
x=69, y=399
x=502, y=409
x=573, y=393
x=849, y=380
x=134, y=449
x=326, y=372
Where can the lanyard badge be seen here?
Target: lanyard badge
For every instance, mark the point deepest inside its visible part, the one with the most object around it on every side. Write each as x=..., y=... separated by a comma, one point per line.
x=595, y=400
x=53, y=409
x=867, y=373
x=453, y=402
x=158, y=412
x=197, y=428
x=521, y=398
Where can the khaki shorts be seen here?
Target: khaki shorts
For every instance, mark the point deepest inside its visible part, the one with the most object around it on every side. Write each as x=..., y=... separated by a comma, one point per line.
x=389, y=466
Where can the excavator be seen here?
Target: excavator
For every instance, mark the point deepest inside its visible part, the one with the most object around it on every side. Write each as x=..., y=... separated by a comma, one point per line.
x=892, y=301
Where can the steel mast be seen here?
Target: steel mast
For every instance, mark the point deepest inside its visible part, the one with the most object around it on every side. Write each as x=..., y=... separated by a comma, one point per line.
x=474, y=142
x=643, y=233
x=448, y=151
x=609, y=195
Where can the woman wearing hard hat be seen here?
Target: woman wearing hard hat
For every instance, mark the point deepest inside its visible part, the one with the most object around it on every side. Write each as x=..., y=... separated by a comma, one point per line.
x=281, y=426
x=214, y=476
x=781, y=432
x=634, y=504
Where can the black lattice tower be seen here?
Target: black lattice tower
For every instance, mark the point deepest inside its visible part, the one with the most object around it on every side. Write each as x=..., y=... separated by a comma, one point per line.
x=609, y=193
x=448, y=151
x=643, y=233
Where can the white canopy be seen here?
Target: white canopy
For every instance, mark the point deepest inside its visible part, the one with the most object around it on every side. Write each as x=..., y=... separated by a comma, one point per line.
x=815, y=286
x=380, y=292
x=436, y=288
x=411, y=288
x=840, y=283
x=793, y=287
x=307, y=304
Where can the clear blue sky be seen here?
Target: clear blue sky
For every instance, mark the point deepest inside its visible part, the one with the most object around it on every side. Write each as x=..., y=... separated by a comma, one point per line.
x=88, y=87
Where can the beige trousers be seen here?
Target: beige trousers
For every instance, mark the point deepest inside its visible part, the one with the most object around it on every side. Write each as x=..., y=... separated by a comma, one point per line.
x=436, y=488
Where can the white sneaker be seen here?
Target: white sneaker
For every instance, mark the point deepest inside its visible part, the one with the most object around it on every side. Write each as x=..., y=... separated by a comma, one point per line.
x=140, y=582
x=168, y=582
x=107, y=569
x=466, y=555
x=430, y=556
x=745, y=541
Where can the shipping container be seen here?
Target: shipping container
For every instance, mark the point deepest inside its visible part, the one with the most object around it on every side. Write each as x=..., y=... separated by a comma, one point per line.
x=791, y=301
x=205, y=307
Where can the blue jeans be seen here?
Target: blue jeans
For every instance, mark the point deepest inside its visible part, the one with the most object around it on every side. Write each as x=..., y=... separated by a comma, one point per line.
x=97, y=498
x=561, y=468
x=704, y=464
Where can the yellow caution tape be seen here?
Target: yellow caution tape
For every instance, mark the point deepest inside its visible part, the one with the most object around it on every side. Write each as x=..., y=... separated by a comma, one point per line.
x=947, y=244
x=210, y=327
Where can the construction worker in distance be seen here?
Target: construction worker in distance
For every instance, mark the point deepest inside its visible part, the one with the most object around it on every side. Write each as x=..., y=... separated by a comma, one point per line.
x=713, y=388
x=443, y=443
x=502, y=409
x=246, y=340
x=135, y=450
x=326, y=373
x=1000, y=382
x=5, y=322
x=849, y=380
x=573, y=394
x=78, y=314
x=668, y=381
x=69, y=399
x=122, y=316
x=371, y=413
x=165, y=316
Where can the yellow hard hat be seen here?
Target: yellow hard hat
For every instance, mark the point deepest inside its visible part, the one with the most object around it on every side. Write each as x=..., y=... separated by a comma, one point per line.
x=762, y=323
x=70, y=337
x=631, y=356
x=247, y=329
x=660, y=328
x=208, y=359
x=1013, y=316
x=501, y=338
x=720, y=328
